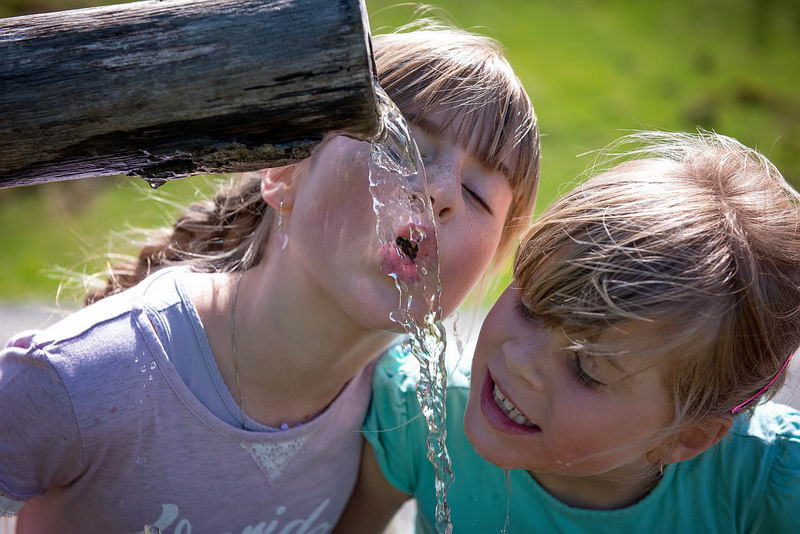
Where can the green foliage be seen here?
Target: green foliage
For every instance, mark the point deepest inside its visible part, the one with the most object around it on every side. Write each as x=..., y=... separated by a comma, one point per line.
x=55, y=231
x=594, y=69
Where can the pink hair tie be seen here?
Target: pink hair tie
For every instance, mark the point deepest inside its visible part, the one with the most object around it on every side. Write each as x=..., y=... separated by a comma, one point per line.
x=765, y=388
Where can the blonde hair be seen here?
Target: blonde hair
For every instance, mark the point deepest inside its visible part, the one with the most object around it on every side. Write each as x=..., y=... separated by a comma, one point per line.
x=426, y=67
x=697, y=233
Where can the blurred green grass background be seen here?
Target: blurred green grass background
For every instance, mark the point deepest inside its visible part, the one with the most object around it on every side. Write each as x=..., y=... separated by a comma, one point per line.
x=594, y=69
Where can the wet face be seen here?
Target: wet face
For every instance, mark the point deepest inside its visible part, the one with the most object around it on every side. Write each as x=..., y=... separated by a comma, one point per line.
x=332, y=234
x=537, y=405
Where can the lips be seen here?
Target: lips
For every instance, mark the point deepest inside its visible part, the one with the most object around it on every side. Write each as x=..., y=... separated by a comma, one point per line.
x=501, y=413
x=409, y=256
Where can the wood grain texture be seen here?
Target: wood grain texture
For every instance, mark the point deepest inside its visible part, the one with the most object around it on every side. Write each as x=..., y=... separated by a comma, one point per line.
x=164, y=89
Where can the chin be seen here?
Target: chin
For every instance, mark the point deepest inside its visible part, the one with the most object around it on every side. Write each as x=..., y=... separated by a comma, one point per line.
x=490, y=451
x=480, y=436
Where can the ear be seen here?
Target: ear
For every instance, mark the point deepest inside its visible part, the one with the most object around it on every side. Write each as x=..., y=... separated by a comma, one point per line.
x=696, y=439
x=278, y=185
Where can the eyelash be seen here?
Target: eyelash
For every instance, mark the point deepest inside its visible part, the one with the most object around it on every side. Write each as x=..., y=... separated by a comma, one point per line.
x=524, y=311
x=478, y=199
x=582, y=376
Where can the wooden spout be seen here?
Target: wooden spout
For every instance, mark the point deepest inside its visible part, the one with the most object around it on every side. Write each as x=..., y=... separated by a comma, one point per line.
x=166, y=89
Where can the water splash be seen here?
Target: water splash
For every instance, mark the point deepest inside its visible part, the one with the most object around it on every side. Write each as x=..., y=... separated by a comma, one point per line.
x=406, y=230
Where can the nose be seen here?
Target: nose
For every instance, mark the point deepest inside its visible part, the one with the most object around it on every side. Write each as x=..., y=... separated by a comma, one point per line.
x=444, y=184
x=525, y=362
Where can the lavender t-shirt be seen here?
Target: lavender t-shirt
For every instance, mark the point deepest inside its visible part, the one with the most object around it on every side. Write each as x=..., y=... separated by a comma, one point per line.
x=99, y=433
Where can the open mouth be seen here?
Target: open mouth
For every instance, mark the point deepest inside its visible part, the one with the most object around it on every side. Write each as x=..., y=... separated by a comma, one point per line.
x=409, y=248
x=501, y=412
x=406, y=258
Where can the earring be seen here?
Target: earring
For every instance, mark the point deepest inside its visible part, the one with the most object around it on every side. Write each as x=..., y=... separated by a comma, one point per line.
x=280, y=232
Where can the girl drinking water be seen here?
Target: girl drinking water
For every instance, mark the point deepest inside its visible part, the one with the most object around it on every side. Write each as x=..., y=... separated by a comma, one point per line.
x=222, y=386
x=621, y=376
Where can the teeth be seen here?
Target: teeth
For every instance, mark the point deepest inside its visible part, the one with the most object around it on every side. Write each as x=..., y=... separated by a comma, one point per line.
x=510, y=410
x=519, y=419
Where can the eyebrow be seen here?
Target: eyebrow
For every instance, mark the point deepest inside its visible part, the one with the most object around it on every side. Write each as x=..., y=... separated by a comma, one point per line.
x=432, y=128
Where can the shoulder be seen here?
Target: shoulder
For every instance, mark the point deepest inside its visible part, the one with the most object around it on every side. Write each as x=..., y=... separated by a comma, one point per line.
x=758, y=467
x=777, y=430
x=769, y=438
x=96, y=333
x=78, y=323
x=95, y=354
x=756, y=443
x=41, y=437
x=774, y=429
x=770, y=423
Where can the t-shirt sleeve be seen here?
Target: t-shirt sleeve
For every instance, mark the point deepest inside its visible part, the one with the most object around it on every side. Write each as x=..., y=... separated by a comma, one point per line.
x=40, y=445
x=394, y=425
x=779, y=510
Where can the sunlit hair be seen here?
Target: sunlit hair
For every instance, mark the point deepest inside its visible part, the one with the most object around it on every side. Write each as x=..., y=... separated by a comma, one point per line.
x=464, y=80
x=425, y=68
x=697, y=234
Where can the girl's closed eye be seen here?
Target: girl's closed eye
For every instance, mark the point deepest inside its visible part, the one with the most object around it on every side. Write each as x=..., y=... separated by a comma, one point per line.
x=523, y=310
x=477, y=198
x=580, y=372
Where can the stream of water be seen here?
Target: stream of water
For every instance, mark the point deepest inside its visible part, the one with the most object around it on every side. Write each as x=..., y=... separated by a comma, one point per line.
x=406, y=227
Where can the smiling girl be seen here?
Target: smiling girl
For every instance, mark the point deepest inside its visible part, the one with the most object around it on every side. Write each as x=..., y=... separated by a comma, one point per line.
x=221, y=384
x=617, y=377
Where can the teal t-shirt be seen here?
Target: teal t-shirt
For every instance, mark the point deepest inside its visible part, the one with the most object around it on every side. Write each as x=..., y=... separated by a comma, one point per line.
x=749, y=482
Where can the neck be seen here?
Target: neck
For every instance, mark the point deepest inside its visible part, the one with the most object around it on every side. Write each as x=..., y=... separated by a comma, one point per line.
x=295, y=349
x=606, y=491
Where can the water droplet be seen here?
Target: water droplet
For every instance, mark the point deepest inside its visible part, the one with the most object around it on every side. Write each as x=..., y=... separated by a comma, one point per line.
x=143, y=368
x=150, y=377
x=136, y=360
x=141, y=460
x=155, y=183
x=152, y=365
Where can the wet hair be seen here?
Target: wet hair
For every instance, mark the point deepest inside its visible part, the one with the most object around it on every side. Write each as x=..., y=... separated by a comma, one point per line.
x=425, y=67
x=696, y=234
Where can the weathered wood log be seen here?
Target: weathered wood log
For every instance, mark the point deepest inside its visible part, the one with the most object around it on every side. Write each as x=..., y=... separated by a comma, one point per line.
x=171, y=88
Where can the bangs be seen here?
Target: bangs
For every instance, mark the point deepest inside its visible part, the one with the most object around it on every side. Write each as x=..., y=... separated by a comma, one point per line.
x=494, y=132
x=592, y=262
x=584, y=288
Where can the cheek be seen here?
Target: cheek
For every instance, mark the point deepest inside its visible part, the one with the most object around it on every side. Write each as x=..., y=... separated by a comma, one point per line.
x=464, y=255
x=595, y=436
x=334, y=201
